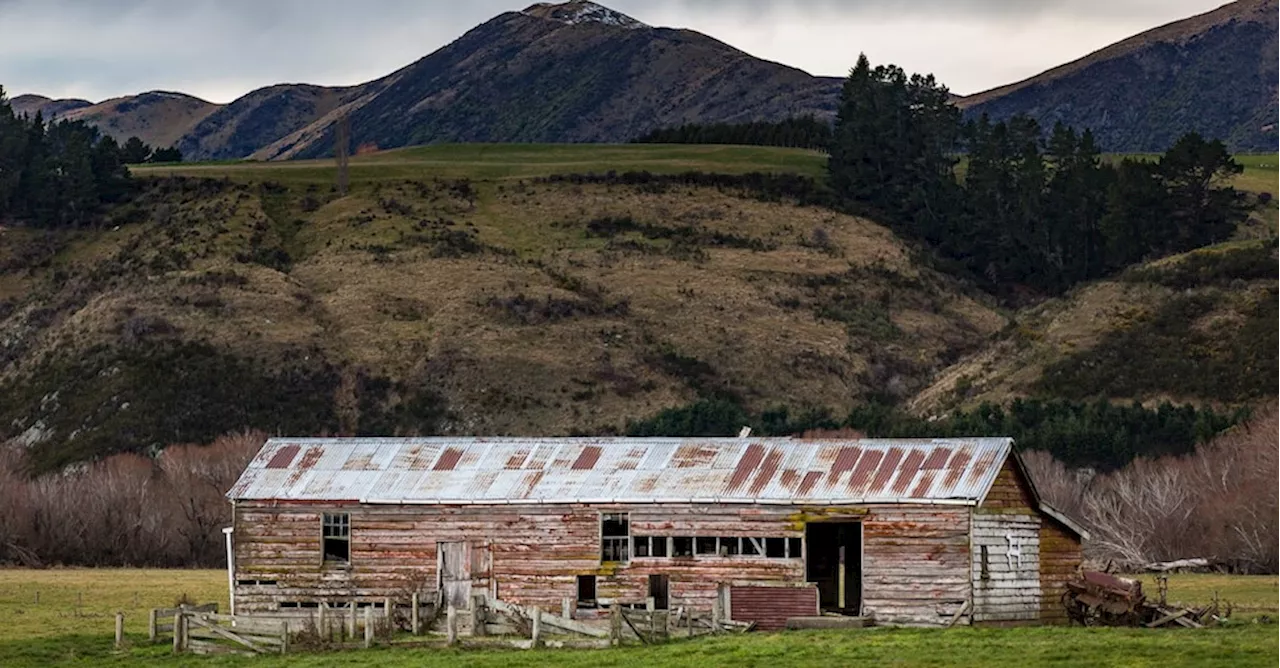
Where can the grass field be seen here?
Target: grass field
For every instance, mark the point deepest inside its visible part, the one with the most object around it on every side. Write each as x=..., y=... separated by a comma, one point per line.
x=492, y=162
x=66, y=630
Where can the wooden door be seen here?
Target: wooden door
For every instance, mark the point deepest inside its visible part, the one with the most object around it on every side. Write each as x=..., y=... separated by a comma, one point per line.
x=454, y=567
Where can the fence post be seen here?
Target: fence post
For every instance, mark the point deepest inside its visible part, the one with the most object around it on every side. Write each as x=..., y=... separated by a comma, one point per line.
x=413, y=613
x=351, y=622
x=479, y=616
x=386, y=612
x=715, y=615
x=451, y=625
x=615, y=624
x=566, y=608
x=536, y=627
x=151, y=626
x=177, y=632
x=322, y=621
x=284, y=637
x=119, y=630
x=368, y=627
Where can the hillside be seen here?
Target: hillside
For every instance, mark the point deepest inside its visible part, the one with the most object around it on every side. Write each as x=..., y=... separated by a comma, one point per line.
x=158, y=118
x=1197, y=327
x=572, y=72
x=497, y=306
x=1215, y=74
x=29, y=105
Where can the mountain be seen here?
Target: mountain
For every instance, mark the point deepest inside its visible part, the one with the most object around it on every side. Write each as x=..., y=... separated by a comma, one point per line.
x=1215, y=73
x=575, y=72
x=571, y=72
x=159, y=118
x=30, y=104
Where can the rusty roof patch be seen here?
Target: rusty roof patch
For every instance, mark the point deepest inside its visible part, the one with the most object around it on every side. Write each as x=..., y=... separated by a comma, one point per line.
x=587, y=458
x=579, y=470
x=907, y=472
x=845, y=459
x=283, y=457
x=768, y=469
x=748, y=463
x=448, y=459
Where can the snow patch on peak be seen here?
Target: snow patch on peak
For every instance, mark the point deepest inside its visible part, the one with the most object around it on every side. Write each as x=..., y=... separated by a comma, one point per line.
x=582, y=11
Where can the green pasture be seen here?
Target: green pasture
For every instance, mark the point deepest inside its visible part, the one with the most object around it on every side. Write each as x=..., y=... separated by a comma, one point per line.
x=72, y=625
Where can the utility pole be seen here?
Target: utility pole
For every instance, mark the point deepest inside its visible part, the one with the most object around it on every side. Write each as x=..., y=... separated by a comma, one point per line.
x=342, y=151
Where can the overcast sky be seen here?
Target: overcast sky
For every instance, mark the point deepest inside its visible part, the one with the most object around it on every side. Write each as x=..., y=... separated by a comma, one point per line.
x=221, y=49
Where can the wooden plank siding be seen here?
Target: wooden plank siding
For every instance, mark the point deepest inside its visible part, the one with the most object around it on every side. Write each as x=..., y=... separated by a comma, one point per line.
x=915, y=557
x=1010, y=510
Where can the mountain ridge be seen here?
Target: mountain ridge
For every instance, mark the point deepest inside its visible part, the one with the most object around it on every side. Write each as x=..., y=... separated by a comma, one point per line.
x=609, y=46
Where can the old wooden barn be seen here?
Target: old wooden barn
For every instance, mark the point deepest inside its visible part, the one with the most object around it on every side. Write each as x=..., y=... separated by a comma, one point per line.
x=921, y=532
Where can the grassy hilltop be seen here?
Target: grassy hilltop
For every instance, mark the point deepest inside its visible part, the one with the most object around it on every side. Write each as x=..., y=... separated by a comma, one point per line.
x=451, y=291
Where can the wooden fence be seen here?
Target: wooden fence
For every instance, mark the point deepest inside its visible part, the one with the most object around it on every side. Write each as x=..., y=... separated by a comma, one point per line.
x=484, y=623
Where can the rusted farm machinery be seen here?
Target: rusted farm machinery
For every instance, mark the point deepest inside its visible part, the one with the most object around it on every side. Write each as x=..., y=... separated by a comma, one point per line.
x=1102, y=599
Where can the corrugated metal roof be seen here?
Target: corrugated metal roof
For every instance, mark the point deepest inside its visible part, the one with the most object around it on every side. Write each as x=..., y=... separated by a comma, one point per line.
x=567, y=470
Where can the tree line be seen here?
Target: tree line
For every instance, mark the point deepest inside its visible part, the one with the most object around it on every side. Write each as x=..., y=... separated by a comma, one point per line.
x=1010, y=204
x=63, y=173
x=799, y=132
x=1095, y=434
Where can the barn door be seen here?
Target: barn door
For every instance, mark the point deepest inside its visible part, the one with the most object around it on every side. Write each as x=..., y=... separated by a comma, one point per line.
x=454, y=567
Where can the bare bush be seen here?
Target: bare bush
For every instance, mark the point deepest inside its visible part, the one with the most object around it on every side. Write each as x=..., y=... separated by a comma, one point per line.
x=1219, y=503
x=125, y=510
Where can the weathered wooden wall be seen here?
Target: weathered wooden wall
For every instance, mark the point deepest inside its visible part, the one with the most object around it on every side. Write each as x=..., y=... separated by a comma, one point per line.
x=915, y=563
x=1061, y=555
x=916, y=557
x=1029, y=590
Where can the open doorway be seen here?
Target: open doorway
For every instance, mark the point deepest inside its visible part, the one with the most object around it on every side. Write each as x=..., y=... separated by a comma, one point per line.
x=659, y=588
x=833, y=561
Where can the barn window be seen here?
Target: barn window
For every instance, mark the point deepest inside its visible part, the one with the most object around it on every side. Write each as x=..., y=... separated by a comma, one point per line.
x=794, y=549
x=586, y=591
x=705, y=546
x=336, y=531
x=729, y=547
x=615, y=537
x=650, y=546
x=775, y=548
x=753, y=547
x=682, y=546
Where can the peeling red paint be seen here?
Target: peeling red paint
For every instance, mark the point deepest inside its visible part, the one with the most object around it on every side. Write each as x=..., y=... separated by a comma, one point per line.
x=981, y=468
x=910, y=467
x=748, y=463
x=956, y=468
x=283, y=457
x=845, y=460
x=448, y=459
x=767, y=471
x=692, y=456
x=863, y=472
x=810, y=479
x=888, y=467
x=587, y=458
x=937, y=459
x=514, y=462
x=310, y=458
x=925, y=484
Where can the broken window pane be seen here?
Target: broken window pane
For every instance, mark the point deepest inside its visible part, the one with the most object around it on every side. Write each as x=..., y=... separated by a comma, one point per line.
x=642, y=546
x=729, y=547
x=658, y=546
x=705, y=545
x=336, y=531
x=794, y=550
x=753, y=547
x=615, y=537
x=682, y=546
x=775, y=548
